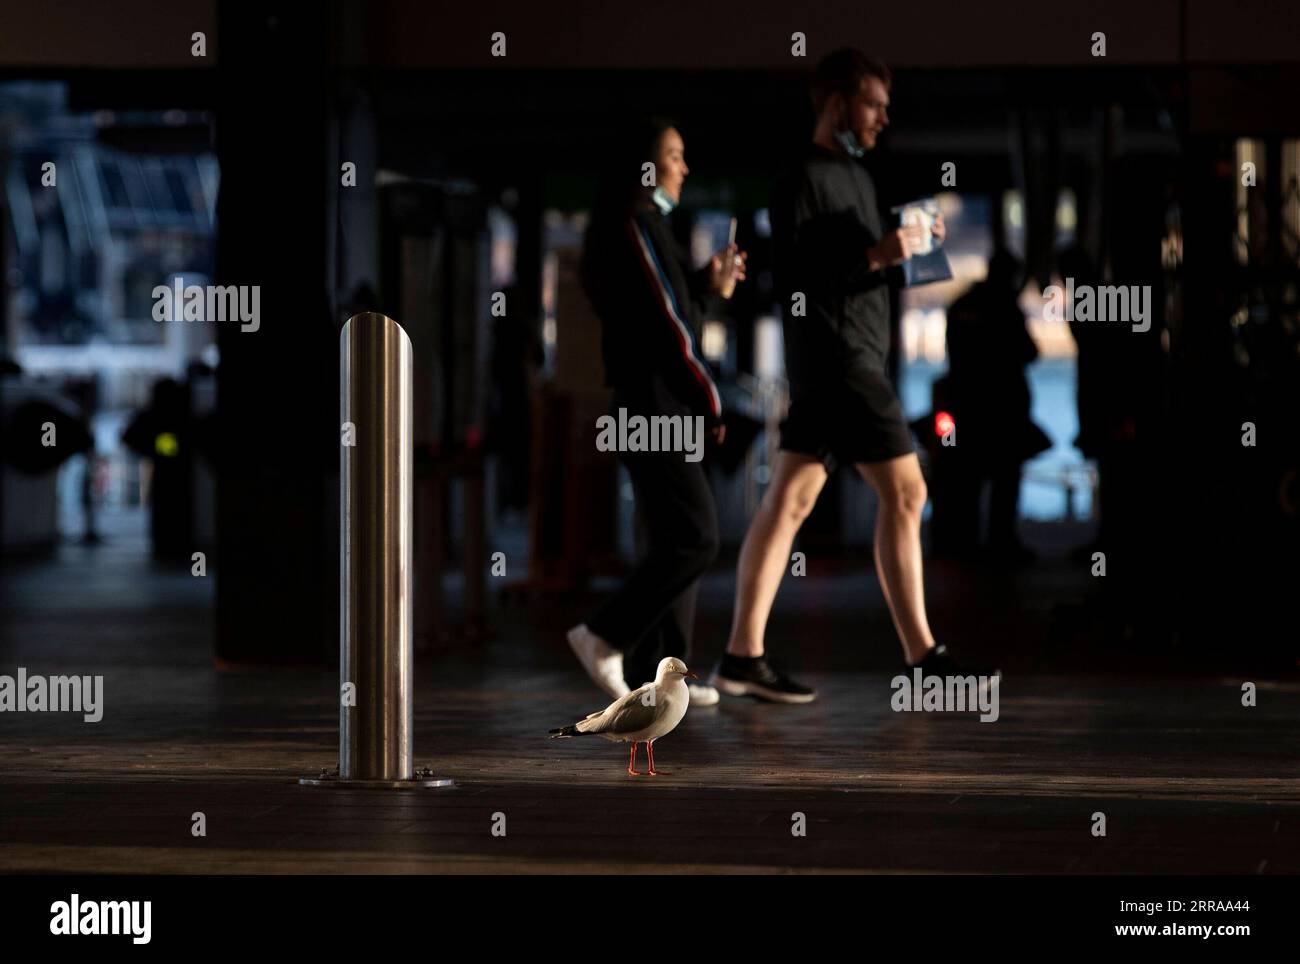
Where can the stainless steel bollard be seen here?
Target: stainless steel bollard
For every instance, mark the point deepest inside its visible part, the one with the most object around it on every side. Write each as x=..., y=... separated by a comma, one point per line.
x=375, y=659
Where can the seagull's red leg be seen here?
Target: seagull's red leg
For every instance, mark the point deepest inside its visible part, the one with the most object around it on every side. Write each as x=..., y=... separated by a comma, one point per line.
x=631, y=762
x=650, y=752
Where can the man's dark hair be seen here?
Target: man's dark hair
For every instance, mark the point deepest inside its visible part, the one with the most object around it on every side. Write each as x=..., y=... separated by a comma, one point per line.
x=841, y=71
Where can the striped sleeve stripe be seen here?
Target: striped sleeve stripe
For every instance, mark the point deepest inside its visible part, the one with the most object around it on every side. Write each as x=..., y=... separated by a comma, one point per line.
x=668, y=301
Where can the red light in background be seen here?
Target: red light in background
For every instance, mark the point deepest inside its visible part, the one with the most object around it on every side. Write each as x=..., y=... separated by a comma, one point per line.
x=943, y=423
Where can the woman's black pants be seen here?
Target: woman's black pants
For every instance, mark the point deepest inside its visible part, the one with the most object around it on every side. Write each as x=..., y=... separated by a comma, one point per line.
x=652, y=613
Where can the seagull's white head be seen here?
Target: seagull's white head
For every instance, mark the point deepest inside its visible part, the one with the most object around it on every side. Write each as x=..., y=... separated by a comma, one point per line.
x=671, y=668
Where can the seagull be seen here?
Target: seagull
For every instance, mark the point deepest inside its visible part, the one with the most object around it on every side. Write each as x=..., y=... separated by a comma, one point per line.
x=642, y=716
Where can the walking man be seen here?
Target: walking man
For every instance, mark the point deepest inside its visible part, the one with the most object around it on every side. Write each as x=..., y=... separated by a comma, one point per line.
x=831, y=253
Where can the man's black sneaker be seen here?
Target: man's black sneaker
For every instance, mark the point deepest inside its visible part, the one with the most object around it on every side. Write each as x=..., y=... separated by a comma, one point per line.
x=757, y=677
x=938, y=662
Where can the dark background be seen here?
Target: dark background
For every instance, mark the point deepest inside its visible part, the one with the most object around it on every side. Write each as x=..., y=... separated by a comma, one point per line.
x=999, y=88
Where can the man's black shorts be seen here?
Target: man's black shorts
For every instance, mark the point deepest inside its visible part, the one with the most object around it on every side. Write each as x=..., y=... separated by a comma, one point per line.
x=849, y=421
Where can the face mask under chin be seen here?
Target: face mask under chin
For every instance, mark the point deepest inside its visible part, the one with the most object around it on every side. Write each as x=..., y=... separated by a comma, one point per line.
x=849, y=142
x=663, y=202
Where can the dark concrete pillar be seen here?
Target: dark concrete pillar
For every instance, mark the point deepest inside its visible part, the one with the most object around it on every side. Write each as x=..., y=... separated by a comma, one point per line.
x=278, y=433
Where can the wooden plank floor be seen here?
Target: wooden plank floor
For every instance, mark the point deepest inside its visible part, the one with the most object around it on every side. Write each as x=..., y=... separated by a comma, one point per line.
x=1189, y=779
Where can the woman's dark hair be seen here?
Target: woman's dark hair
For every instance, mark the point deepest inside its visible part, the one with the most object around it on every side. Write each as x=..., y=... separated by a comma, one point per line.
x=619, y=194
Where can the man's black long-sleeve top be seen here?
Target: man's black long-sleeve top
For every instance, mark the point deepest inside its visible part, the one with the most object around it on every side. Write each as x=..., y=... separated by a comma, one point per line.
x=824, y=218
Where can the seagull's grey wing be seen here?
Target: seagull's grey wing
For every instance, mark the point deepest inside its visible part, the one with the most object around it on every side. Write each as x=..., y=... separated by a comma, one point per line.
x=630, y=714
x=593, y=722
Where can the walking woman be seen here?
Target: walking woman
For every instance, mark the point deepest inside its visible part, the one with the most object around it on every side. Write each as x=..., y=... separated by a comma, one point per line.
x=651, y=304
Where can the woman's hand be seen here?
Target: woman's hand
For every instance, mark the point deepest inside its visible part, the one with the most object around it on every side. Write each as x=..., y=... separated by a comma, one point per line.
x=937, y=229
x=726, y=268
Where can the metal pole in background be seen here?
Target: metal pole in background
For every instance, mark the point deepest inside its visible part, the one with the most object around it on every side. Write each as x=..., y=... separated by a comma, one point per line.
x=375, y=659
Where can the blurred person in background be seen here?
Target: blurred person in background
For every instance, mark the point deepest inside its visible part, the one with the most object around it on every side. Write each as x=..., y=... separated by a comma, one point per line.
x=989, y=347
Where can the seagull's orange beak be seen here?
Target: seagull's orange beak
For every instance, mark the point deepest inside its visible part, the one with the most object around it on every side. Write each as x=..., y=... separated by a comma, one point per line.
x=690, y=675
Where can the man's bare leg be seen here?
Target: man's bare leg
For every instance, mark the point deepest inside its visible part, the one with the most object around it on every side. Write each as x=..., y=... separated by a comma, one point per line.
x=765, y=554
x=901, y=490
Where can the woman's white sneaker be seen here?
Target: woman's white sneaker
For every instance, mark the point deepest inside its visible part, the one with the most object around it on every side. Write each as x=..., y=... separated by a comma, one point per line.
x=703, y=695
x=603, y=663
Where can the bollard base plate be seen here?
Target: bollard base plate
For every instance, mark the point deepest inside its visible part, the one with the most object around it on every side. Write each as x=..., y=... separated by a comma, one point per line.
x=420, y=780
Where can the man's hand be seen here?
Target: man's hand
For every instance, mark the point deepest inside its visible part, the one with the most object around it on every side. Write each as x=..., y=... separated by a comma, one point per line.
x=938, y=230
x=896, y=247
